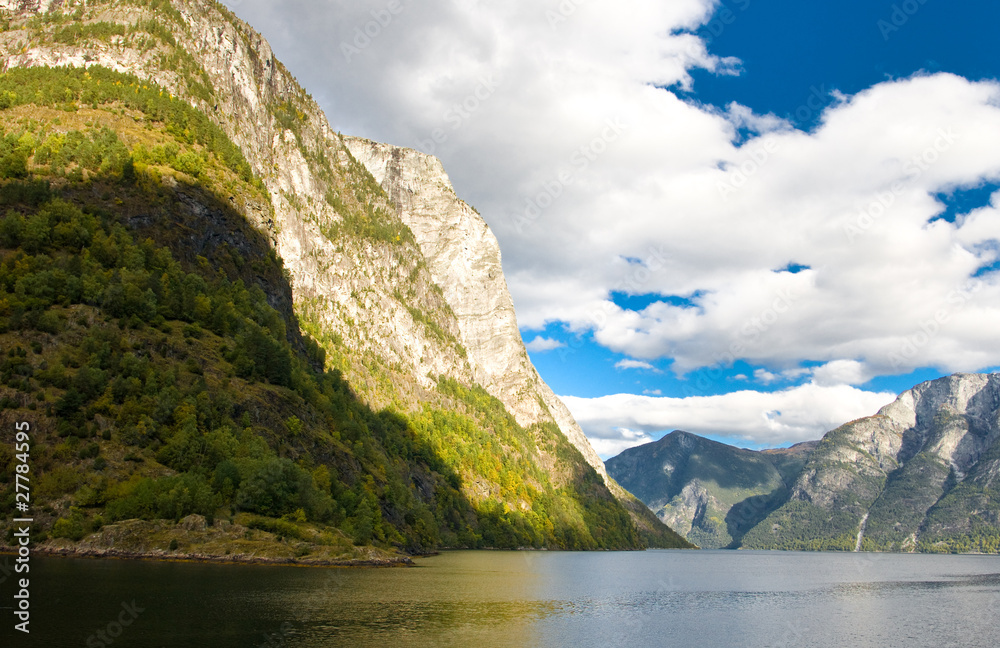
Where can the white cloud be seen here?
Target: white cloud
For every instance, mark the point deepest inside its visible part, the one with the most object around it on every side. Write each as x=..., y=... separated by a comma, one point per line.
x=652, y=392
x=635, y=364
x=877, y=275
x=541, y=344
x=518, y=107
x=764, y=376
x=622, y=440
x=797, y=414
x=842, y=372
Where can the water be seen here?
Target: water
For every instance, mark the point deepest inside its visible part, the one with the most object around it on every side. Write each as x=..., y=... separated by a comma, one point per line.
x=522, y=599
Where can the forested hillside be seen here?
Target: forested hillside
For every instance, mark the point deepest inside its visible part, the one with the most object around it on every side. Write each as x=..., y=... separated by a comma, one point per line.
x=150, y=336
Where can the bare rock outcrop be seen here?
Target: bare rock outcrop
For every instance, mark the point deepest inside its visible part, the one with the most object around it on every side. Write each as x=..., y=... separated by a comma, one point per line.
x=464, y=260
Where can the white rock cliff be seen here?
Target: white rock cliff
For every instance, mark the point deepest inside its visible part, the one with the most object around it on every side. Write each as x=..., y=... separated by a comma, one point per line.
x=464, y=259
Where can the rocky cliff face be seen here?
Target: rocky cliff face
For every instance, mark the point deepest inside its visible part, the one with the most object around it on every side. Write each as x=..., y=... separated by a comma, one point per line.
x=464, y=259
x=382, y=279
x=228, y=70
x=921, y=474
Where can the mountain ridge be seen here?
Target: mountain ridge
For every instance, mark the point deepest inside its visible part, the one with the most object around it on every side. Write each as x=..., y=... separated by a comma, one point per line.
x=473, y=280
x=911, y=472
x=708, y=491
x=921, y=474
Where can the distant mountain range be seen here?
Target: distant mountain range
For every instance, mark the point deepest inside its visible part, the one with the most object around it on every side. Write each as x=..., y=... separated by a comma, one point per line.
x=921, y=475
x=709, y=492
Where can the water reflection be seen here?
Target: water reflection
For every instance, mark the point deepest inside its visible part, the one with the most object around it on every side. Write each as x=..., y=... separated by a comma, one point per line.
x=472, y=602
x=545, y=599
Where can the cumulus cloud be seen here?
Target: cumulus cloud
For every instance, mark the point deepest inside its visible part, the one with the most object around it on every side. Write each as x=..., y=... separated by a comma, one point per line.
x=622, y=440
x=802, y=413
x=569, y=136
x=842, y=372
x=764, y=376
x=635, y=364
x=541, y=344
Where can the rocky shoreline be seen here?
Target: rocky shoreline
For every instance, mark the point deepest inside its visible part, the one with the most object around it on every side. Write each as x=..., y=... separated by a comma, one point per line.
x=194, y=540
x=231, y=559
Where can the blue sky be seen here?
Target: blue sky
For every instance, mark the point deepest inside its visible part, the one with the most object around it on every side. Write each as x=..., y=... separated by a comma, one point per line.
x=788, y=48
x=751, y=220
x=793, y=56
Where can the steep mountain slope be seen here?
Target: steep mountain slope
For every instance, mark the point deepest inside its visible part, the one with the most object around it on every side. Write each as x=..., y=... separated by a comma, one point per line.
x=464, y=259
x=371, y=302
x=710, y=492
x=919, y=475
x=350, y=258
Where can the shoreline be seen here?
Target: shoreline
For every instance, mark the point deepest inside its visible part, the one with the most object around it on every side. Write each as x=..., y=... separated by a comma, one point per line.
x=182, y=557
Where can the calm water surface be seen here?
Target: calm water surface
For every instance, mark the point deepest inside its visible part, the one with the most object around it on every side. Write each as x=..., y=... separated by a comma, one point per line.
x=487, y=599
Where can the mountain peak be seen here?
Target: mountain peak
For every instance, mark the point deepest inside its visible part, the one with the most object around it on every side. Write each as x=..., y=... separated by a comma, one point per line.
x=920, y=474
x=696, y=485
x=964, y=393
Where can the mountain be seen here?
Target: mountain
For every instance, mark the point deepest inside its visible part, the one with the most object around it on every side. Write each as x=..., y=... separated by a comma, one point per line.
x=304, y=338
x=921, y=475
x=464, y=259
x=710, y=492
